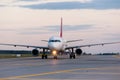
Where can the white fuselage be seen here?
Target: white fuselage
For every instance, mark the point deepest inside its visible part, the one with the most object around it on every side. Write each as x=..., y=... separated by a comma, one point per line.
x=56, y=43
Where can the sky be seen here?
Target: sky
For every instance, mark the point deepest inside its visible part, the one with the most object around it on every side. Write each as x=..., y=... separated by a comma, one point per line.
x=30, y=21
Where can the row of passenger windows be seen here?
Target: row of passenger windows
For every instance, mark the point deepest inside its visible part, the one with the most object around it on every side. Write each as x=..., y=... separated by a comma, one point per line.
x=54, y=41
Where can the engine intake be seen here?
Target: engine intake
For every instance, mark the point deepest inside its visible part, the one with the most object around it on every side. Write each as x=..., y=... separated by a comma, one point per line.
x=78, y=51
x=35, y=52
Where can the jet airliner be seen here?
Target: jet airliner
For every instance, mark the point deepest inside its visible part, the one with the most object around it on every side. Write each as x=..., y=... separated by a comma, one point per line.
x=57, y=45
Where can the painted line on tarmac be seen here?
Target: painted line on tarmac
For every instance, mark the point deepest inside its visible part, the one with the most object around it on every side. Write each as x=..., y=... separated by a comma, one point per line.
x=49, y=73
x=3, y=79
x=97, y=73
x=117, y=56
x=44, y=79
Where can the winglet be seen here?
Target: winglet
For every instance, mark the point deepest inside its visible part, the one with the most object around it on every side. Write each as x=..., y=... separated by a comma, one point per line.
x=61, y=28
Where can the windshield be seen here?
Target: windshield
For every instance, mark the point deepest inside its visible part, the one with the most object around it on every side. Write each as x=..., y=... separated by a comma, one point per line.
x=54, y=41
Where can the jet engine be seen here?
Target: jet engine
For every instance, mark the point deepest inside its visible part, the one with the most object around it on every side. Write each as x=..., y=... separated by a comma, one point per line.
x=35, y=52
x=78, y=51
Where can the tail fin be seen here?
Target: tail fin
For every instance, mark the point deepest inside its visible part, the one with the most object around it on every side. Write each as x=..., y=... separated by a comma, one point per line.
x=61, y=28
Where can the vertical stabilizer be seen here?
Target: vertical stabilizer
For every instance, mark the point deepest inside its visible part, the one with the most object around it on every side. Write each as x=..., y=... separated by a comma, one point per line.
x=61, y=28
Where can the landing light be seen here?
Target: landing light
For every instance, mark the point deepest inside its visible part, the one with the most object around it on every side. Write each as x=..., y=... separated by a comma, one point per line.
x=54, y=53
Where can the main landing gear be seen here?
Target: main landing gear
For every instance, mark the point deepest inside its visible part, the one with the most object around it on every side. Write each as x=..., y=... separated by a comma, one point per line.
x=44, y=56
x=72, y=55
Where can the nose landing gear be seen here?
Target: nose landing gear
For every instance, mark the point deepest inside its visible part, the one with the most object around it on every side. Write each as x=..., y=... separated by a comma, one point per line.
x=54, y=53
x=55, y=57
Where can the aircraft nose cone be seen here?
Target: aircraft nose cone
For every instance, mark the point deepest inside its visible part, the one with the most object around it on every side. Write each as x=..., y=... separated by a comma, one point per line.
x=54, y=46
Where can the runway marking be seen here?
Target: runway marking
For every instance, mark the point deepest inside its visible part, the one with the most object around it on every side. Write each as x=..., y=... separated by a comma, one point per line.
x=3, y=79
x=55, y=72
x=105, y=73
x=46, y=79
x=117, y=56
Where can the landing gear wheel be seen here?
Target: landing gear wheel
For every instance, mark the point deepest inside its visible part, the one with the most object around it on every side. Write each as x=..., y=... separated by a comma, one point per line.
x=44, y=56
x=72, y=56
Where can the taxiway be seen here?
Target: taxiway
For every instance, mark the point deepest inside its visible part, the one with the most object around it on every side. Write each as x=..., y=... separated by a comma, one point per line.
x=83, y=68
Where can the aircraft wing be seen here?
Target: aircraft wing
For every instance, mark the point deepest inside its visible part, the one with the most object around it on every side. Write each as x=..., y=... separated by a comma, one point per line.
x=89, y=45
x=74, y=40
x=27, y=46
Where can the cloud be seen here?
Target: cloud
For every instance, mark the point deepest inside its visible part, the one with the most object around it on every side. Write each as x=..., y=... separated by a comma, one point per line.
x=96, y=4
x=62, y=4
x=28, y=0
x=31, y=33
x=7, y=30
x=35, y=2
x=54, y=28
x=95, y=22
x=58, y=5
x=112, y=36
x=69, y=27
x=16, y=17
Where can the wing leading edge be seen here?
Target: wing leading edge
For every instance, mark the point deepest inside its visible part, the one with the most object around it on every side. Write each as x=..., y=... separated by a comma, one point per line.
x=89, y=45
x=27, y=46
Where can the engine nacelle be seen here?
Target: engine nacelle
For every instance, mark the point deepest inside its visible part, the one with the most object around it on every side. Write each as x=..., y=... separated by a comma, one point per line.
x=35, y=52
x=78, y=51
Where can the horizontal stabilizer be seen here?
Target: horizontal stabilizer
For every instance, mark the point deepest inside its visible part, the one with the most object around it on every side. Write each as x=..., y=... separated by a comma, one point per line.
x=45, y=40
x=74, y=40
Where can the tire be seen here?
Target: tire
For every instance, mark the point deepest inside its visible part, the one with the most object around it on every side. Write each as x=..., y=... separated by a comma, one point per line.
x=46, y=56
x=42, y=56
x=73, y=56
x=70, y=56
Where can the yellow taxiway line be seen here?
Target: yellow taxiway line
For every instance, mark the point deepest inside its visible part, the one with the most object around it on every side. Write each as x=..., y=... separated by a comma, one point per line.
x=54, y=72
x=117, y=56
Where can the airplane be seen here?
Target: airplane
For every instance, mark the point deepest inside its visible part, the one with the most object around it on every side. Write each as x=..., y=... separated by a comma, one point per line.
x=57, y=45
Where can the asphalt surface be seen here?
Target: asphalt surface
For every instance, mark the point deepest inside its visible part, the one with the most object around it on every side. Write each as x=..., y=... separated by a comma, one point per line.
x=82, y=68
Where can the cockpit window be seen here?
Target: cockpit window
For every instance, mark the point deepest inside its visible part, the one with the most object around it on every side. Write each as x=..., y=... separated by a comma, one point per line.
x=54, y=41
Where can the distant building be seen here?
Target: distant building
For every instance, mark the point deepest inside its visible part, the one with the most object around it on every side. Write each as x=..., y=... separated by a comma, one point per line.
x=14, y=52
